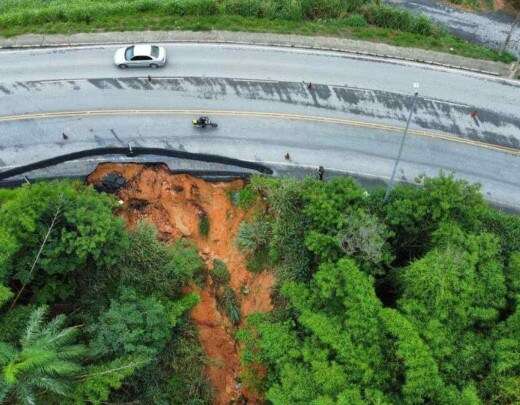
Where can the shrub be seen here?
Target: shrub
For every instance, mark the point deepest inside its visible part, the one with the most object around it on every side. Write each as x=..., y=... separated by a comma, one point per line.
x=288, y=10
x=132, y=325
x=80, y=14
x=353, y=5
x=322, y=9
x=269, y=9
x=286, y=239
x=220, y=274
x=143, y=6
x=227, y=303
x=13, y=323
x=388, y=17
x=401, y=20
x=187, y=380
x=5, y=295
x=191, y=7
x=244, y=8
x=245, y=197
x=173, y=7
x=100, y=380
x=258, y=261
x=176, y=377
x=422, y=25
x=253, y=236
x=253, y=239
x=295, y=10
x=365, y=236
x=204, y=225
x=356, y=21
x=152, y=266
x=200, y=7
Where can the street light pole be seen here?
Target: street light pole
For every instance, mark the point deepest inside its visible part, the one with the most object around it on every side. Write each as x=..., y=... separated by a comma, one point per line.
x=396, y=163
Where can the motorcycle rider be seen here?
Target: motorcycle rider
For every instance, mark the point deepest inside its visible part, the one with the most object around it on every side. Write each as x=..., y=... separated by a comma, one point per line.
x=202, y=121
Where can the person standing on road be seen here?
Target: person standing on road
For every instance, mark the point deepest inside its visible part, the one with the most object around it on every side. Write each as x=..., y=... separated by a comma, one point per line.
x=321, y=173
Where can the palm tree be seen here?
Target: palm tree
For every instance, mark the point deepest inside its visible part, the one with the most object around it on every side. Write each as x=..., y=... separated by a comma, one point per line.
x=44, y=362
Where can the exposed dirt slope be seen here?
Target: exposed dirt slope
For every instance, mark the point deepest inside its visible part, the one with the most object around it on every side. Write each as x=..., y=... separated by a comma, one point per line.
x=176, y=204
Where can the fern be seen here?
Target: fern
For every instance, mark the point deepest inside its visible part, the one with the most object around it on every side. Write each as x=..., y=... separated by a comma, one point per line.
x=44, y=362
x=34, y=325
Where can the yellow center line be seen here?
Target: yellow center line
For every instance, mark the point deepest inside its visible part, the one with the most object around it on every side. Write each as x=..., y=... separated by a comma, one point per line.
x=288, y=116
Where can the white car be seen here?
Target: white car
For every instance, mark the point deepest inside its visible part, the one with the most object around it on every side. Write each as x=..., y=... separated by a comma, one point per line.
x=140, y=56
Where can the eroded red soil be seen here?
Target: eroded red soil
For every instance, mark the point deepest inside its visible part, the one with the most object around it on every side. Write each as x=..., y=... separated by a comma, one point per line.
x=175, y=203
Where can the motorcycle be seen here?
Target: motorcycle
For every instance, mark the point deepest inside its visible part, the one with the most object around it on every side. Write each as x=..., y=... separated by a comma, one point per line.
x=204, y=122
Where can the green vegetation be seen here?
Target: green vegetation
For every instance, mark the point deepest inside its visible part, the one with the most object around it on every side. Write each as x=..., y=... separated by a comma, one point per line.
x=183, y=365
x=359, y=19
x=227, y=301
x=92, y=313
x=474, y=4
x=220, y=274
x=204, y=225
x=243, y=198
x=413, y=301
x=45, y=357
x=253, y=241
x=228, y=304
x=487, y=5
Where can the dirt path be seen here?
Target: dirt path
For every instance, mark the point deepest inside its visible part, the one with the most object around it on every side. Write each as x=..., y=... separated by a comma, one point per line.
x=176, y=204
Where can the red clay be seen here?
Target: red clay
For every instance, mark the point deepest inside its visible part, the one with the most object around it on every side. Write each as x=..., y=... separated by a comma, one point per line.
x=175, y=204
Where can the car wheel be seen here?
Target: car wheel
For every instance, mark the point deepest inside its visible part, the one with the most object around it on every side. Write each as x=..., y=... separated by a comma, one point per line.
x=123, y=66
x=154, y=66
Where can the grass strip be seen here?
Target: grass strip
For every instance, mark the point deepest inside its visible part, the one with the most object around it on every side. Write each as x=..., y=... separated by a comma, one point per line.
x=353, y=26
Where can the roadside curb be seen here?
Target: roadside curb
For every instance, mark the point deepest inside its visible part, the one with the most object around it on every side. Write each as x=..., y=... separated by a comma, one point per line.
x=351, y=47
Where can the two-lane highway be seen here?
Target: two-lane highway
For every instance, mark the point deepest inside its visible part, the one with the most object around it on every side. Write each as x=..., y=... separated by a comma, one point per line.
x=350, y=119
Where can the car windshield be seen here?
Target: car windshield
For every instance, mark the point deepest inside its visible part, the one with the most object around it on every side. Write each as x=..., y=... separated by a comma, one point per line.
x=129, y=53
x=155, y=51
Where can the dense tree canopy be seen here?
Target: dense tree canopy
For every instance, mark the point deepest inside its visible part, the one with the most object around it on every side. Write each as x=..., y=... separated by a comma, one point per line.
x=412, y=301
x=80, y=228
x=116, y=299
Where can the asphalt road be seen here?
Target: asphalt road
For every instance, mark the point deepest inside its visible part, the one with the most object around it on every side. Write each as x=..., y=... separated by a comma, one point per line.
x=267, y=63
x=350, y=120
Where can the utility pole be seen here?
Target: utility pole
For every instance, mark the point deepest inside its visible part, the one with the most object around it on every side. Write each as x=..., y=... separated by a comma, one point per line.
x=510, y=33
x=390, y=185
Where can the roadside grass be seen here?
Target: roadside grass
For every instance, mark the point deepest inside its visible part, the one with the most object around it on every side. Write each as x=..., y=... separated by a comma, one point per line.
x=387, y=25
x=508, y=6
x=475, y=5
